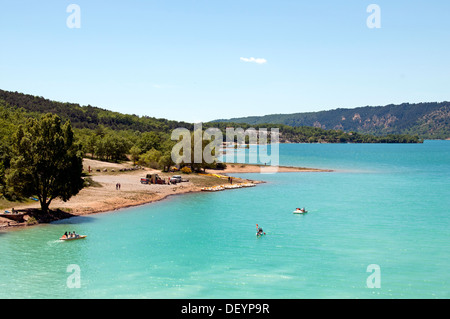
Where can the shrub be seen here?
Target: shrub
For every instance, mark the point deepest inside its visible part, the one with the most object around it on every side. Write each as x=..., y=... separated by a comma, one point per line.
x=186, y=170
x=221, y=165
x=31, y=221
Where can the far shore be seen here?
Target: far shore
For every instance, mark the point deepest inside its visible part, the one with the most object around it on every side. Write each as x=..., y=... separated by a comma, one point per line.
x=253, y=168
x=103, y=195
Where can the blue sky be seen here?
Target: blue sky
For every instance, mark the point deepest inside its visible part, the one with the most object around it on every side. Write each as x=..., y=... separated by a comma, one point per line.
x=181, y=60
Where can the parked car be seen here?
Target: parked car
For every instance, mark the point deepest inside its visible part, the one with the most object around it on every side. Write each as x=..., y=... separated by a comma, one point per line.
x=152, y=179
x=175, y=179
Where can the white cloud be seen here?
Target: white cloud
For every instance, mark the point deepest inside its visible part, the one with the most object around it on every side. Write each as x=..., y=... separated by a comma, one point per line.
x=254, y=60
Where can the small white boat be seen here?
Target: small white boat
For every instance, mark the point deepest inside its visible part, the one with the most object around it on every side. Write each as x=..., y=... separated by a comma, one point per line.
x=300, y=211
x=73, y=238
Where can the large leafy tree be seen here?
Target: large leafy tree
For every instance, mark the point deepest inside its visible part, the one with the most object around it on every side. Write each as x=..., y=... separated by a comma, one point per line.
x=46, y=162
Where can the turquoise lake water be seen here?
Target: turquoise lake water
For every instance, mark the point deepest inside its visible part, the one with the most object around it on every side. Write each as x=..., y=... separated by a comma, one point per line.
x=386, y=205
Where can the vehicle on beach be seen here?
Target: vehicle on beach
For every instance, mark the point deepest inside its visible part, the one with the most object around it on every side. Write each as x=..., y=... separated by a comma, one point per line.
x=152, y=179
x=175, y=179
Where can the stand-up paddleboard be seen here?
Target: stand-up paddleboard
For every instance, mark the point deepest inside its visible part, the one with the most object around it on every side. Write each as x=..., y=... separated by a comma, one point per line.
x=259, y=231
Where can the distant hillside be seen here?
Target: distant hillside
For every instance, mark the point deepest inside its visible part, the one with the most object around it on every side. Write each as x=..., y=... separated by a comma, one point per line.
x=90, y=120
x=89, y=117
x=428, y=120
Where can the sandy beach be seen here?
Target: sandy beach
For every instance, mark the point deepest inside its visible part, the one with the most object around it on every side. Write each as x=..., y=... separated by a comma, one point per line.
x=102, y=195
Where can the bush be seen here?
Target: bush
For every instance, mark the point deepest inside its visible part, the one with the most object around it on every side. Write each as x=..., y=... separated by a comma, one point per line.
x=221, y=165
x=150, y=158
x=186, y=170
x=31, y=221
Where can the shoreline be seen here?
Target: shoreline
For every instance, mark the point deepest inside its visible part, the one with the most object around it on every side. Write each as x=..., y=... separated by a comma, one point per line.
x=254, y=168
x=103, y=196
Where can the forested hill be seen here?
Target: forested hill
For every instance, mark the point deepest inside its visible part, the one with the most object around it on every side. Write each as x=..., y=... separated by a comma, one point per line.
x=90, y=122
x=89, y=117
x=427, y=120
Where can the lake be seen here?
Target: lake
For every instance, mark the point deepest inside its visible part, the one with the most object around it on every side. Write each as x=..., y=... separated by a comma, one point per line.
x=376, y=227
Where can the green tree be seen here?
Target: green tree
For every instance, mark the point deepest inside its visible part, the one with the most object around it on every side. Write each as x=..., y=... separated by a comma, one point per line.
x=89, y=145
x=121, y=146
x=203, y=146
x=4, y=164
x=135, y=152
x=46, y=162
x=151, y=158
x=149, y=140
x=165, y=161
